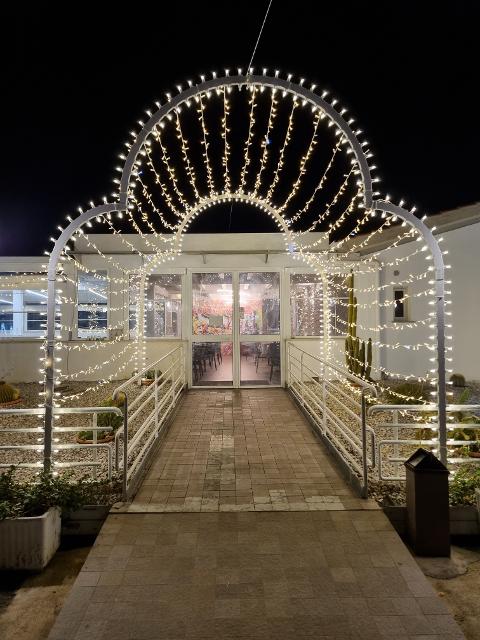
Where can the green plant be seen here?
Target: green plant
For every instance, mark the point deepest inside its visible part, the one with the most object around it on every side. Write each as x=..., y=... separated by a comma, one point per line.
x=464, y=433
x=106, y=419
x=406, y=393
x=457, y=379
x=8, y=393
x=25, y=499
x=149, y=375
x=358, y=353
x=464, y=483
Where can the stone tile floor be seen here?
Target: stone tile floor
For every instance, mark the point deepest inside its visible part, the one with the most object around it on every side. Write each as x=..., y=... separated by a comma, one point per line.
x=199, y=576
x=275, y=546
x=247, y=450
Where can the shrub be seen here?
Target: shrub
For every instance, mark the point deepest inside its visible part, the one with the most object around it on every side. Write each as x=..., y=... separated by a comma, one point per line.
x=8, y=393
x=464, y=483
x=106, y=419
x=457, y=380
x=408, y=393
x=23, y=499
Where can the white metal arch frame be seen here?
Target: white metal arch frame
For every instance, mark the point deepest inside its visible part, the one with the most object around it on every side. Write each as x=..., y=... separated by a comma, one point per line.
x=122, y=204
x=298, y=90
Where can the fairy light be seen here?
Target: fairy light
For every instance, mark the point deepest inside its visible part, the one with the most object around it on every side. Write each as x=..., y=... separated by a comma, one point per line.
x=185, y=155
x=303, y=162
x=166, y=162
x=266, y=142
x=286, y=142
x=155, y=198
x=226, y=144
x=206, y=144
x=248, y=141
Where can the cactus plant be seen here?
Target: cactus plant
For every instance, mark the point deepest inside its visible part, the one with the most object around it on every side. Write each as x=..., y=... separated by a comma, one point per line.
x=8, y=393
x=358, y=354
x=457, y=379
x=105, y=420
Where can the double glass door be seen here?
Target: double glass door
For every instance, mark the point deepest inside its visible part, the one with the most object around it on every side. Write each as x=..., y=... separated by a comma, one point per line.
x=235, y=331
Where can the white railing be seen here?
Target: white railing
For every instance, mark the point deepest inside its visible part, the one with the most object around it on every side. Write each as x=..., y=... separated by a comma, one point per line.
x=94, y=463
x=146, y=411
x=405, y=422
x=336, y=402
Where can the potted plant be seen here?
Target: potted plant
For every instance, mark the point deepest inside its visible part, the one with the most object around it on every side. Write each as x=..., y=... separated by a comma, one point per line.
x=104, y=420
x=148, y=377
x=30, y=518
x=9, y=396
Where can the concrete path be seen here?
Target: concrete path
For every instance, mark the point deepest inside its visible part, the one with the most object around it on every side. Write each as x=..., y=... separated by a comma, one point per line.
x=255, y=557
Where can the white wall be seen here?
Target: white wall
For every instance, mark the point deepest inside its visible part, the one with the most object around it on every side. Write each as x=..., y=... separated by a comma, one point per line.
x=19, y=358
x=464, y=254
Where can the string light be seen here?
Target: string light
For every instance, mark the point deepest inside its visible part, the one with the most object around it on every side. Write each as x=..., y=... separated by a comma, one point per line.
x=154, y=198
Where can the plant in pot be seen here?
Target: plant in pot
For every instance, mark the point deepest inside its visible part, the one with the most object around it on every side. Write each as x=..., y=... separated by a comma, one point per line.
x=104, y=420
x=30, y=518
x=148, y=377
x=9, y=396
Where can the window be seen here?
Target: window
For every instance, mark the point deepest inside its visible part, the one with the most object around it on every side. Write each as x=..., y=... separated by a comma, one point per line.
x=259, y=303
x=6, y=313
x=92, y=298
x=212, y=303
x=400, y=305
x=163, y=305
x=306, y=305
x=23, y=313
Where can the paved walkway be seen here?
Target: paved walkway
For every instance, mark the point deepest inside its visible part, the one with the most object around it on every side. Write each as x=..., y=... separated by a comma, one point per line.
x=303, y=569
x=241, y=451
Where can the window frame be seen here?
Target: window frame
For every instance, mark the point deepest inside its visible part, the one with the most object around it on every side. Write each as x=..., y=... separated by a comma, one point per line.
x=180, y=316
x=405, y=316
x=78, y=305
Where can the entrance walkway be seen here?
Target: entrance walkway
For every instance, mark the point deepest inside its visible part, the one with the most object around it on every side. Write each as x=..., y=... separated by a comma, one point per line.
x=243, y=451
x=323, y=567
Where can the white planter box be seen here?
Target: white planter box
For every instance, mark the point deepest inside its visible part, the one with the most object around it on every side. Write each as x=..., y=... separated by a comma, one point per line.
x=29, y=543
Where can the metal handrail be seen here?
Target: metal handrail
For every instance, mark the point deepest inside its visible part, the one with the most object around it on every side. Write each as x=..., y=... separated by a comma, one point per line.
x=428, y=408
x=40, y=411
x=306, y=397
x=150, y=393
x=433, y=443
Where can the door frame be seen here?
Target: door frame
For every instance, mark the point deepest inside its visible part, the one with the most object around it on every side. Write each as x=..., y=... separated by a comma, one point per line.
x=235, y=338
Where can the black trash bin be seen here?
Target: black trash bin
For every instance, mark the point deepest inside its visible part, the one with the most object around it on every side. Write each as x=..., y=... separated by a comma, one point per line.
x=428, y=516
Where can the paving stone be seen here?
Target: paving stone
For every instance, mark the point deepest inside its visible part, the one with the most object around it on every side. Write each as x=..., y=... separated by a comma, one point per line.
x=248, y=531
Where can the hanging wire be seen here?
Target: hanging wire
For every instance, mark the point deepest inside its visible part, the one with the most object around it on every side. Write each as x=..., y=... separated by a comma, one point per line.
x=259, y=36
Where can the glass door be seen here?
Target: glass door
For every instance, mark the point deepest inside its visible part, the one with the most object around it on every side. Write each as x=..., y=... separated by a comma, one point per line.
x=212, y=326
x=235, y=334
x=259, y=328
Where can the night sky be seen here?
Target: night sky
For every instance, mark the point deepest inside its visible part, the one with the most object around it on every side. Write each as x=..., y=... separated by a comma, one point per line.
x=76, y=78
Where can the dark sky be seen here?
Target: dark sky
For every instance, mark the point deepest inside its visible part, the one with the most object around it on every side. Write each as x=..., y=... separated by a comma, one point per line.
x=75, y=78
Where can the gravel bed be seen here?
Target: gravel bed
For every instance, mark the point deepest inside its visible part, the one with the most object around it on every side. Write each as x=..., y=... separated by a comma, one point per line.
x=91, y=398
x=391, y=492
x=385, y=492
